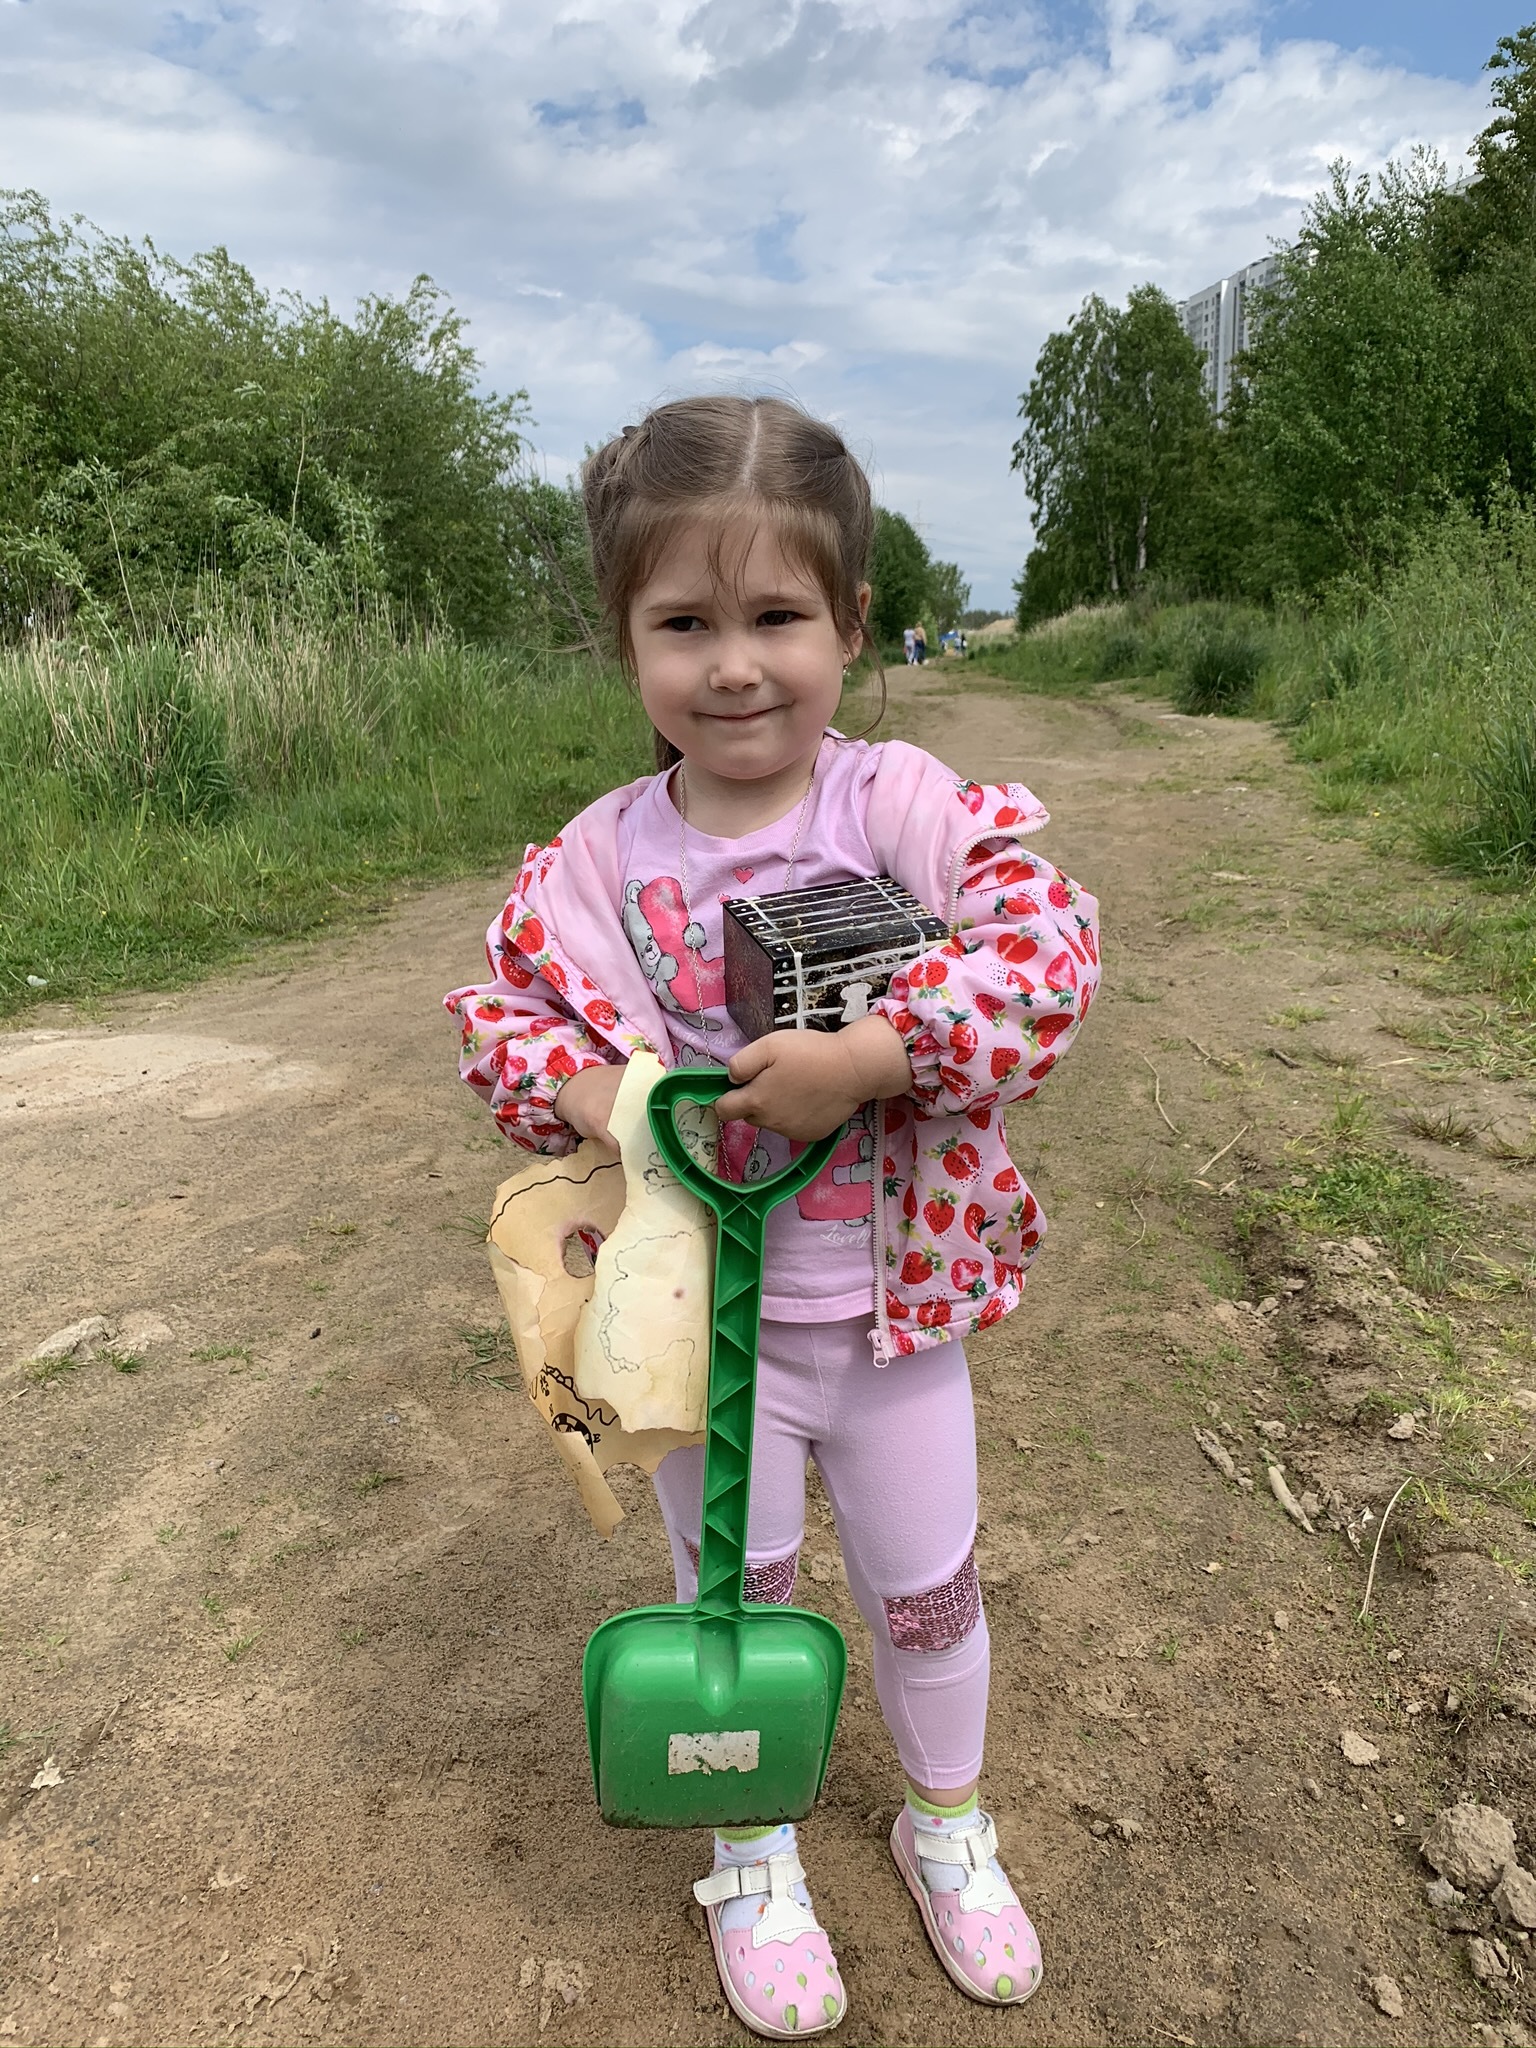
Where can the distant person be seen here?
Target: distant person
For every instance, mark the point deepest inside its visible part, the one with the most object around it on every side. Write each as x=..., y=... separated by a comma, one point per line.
x=749, y=525
x=920, y=643
x=909, y=645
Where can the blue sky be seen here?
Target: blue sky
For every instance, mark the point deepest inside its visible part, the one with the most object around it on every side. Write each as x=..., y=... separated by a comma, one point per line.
x=880, y=206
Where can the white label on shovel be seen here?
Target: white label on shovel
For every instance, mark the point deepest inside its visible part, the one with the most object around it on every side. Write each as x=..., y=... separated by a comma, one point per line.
x=733, y=1749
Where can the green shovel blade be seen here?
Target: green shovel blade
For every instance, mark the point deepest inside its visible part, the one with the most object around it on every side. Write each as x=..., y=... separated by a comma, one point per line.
x=720, y=1714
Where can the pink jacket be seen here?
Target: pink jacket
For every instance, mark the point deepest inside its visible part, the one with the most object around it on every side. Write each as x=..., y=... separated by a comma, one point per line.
x=984, y=1018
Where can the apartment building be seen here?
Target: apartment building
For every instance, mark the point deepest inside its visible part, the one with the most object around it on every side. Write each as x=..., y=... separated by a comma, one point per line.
x=1219, y=321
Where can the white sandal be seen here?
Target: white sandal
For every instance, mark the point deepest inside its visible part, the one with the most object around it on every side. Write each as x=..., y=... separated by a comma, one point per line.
x=779, y=1975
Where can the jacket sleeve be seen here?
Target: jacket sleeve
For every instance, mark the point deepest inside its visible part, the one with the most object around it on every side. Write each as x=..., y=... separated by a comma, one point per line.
x=986, y=1016
x=520, y=1042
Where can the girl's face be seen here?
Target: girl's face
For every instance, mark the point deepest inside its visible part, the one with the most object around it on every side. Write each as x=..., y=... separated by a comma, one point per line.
x=740, y=673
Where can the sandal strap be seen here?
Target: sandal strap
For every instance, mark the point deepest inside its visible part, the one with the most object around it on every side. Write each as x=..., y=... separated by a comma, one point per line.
x=774, y=1875
x=975, y=1847
x=782, y=1918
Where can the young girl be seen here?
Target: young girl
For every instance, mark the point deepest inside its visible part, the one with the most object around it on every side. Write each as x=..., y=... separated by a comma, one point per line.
x=730, y=539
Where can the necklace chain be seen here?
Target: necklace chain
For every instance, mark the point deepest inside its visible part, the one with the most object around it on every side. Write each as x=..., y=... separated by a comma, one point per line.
x=695, y=947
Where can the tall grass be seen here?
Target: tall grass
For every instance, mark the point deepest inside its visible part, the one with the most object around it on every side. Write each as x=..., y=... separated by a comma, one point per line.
x=1413, y=700
x=1209, y=657
x=162, y=807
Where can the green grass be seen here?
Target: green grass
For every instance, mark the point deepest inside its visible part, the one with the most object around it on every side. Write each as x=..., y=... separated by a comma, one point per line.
x=1413, y=705
x=1347, y=1183
x=41, y=1371
x=163, y=810
x=372, y=1481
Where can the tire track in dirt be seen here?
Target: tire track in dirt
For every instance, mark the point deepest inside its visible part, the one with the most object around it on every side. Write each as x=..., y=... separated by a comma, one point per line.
x=303, y=1621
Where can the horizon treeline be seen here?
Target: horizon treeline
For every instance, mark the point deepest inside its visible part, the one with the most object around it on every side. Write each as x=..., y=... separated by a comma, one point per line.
x=1390, y=381
x=180, y=448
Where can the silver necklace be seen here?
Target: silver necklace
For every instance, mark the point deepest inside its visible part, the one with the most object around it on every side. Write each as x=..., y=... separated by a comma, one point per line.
x=695, y=947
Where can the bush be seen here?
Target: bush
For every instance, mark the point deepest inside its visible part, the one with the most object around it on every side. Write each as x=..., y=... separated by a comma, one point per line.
x=1219, y=670
x=1500, y=835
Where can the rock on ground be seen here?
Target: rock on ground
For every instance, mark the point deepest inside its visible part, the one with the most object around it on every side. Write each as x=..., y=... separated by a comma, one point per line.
x=1388, y=1996
x=1489, y=1960
x=1470, y=1845
x=1515, y=1897
x=75, y=1338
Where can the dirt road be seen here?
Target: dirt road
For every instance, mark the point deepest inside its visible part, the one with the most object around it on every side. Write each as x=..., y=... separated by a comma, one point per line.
x=296, y=1606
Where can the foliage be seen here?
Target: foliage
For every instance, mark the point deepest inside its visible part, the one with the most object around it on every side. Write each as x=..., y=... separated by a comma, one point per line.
x=1356, y=385
x=163, y=807
x=909, y=585
x=1219, y=669
x=1113, y=421
x=1389, y=376
x=170, y=433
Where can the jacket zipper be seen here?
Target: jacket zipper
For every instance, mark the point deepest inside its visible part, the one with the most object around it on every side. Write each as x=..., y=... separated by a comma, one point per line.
x=882, y=1318
x=963, y=853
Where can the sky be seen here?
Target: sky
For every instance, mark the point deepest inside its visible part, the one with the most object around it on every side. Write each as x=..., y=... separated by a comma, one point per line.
x=879, y=207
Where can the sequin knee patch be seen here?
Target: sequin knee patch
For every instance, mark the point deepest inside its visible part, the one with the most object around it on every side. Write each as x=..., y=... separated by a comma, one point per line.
x=768, y=1585
x=941, y=1617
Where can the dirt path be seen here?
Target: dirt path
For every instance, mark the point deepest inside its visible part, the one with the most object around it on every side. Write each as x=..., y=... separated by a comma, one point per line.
x=297, y=1607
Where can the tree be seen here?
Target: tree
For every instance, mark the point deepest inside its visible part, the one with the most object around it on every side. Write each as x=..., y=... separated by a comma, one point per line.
x=1113, y=420
x=1481, y=243
x=1357, y=381
x=948, y=594
x=899, y=570
x=170, y=428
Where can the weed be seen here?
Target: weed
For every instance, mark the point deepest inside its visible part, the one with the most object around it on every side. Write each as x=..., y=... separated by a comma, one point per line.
x=1444, y=1126
x=44, y=1372
x=490, y=1347
x=372, y=1481
x=52, y=1478
x=12, y=1738
x=1079, y=1434
x=1294, y=1017
x=215, y=1354
x=1340, y=1058
x=1513, y=1151
x=354, y=1637
x=231, y=1534
x=123, y=1361
x=234, y=1651
x=172, y=1532
x=329, y=1226
x=1168, y=1649
x=212, y=1605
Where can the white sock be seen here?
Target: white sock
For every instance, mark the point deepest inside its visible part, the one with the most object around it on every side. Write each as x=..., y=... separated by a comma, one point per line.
x=736, y=1914
x=947, y=1877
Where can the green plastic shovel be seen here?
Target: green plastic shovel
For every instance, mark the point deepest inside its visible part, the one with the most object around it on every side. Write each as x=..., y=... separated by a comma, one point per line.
x=719, y=1714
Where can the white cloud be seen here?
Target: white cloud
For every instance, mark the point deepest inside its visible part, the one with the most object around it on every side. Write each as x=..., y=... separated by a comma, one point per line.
x=883, y=205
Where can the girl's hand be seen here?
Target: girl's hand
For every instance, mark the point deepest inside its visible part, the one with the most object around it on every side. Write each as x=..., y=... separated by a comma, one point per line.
x=586, y=1102
x=803, y=1084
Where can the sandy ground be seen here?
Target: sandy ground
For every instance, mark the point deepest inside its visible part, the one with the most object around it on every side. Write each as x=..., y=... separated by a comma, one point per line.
x=297, y=1608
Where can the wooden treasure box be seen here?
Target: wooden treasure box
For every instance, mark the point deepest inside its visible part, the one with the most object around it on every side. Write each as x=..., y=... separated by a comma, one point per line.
x=815, y=959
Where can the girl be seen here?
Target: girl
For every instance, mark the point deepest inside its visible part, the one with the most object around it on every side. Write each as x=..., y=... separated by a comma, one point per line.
x=730, y=539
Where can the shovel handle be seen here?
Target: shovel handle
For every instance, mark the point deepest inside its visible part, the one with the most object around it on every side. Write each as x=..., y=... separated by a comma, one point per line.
x=741, y=1211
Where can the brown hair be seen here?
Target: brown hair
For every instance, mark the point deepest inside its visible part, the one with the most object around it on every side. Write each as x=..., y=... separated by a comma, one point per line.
x=712, y=458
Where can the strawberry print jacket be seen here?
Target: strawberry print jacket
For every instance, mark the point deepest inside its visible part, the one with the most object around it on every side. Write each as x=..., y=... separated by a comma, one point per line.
x=984, y=1018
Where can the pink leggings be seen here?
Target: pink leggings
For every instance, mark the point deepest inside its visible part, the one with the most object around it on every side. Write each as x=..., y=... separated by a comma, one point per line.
x=896, y=1449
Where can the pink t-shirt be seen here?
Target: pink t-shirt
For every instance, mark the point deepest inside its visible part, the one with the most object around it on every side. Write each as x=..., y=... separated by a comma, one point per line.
x=819, y=1264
